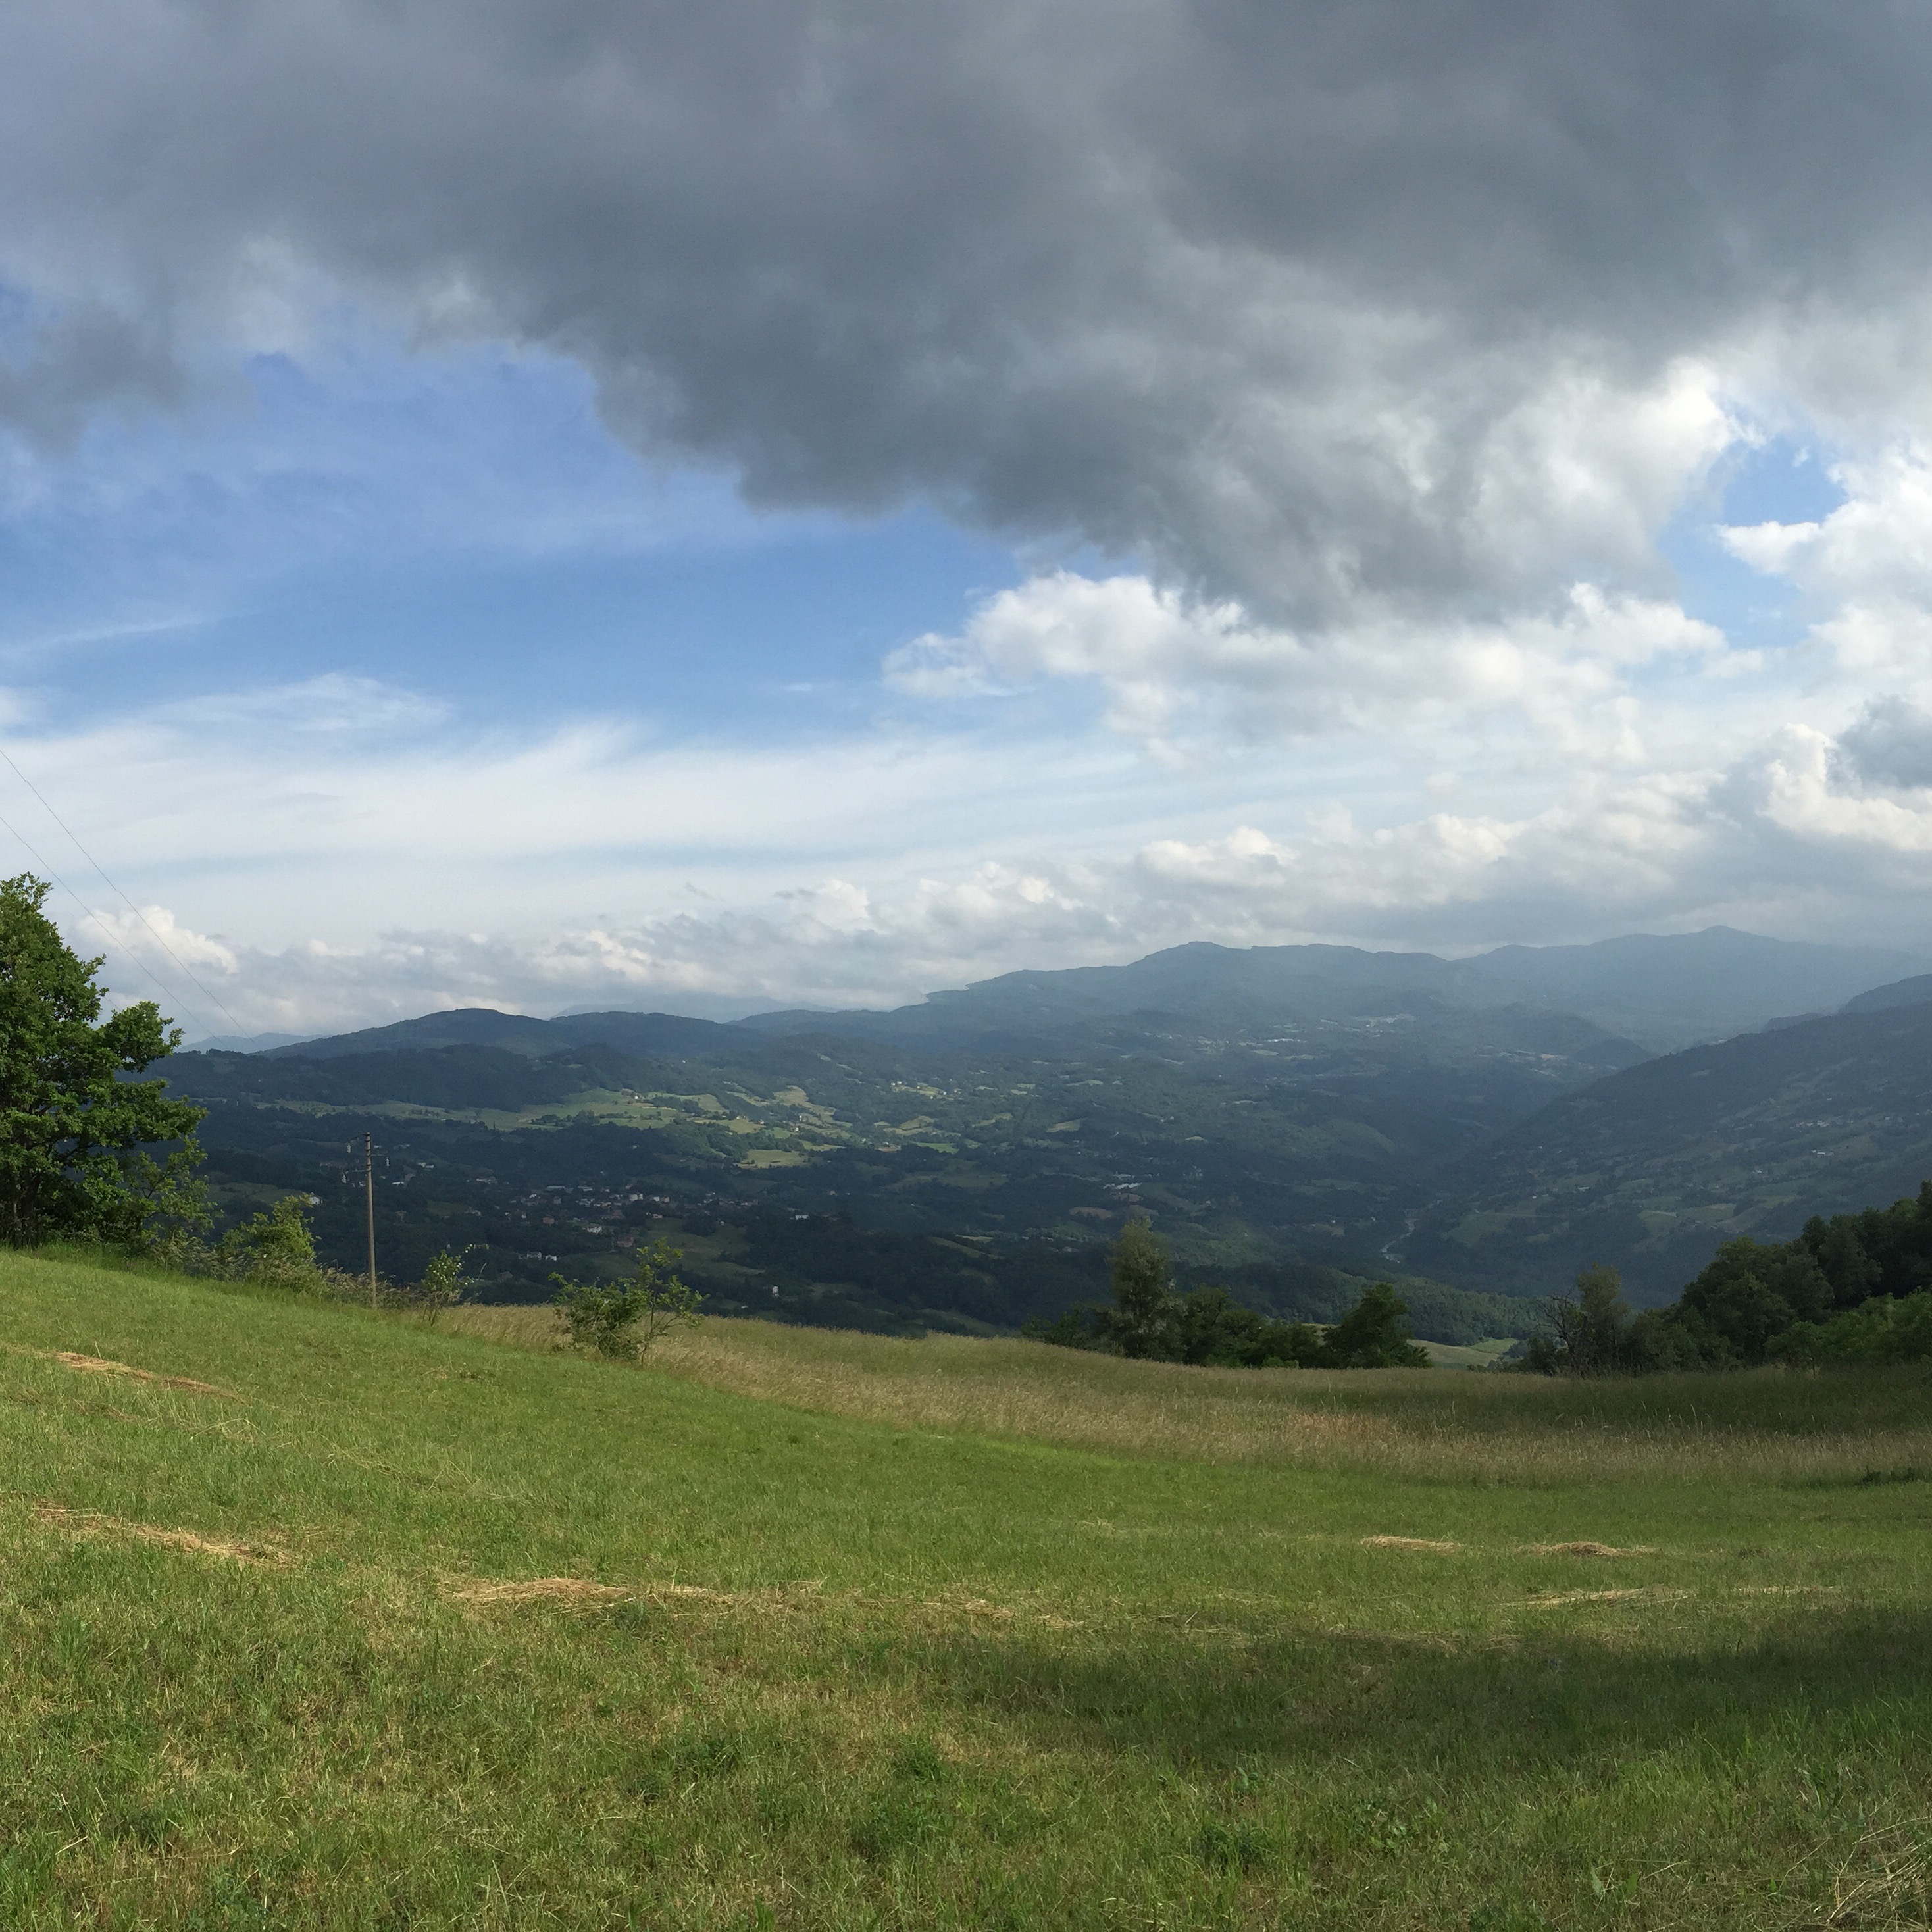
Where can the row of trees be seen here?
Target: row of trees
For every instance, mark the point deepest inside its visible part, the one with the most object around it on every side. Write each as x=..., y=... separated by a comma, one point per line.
x=1855, y=1289
x=1149, y=1321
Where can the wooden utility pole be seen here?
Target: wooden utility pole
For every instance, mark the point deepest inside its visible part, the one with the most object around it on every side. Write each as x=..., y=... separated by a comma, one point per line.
x=369, y=1193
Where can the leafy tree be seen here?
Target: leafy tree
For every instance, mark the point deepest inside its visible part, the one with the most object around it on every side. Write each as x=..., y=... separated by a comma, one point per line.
x=73, y=1128
x=1592, y=1329
x=1841, y=1258
x=1209, y=1326
x=1884, y=1330
x=1143, y=1277
x=1751, y=1293
x=620, y=1320
x=1374, y=1334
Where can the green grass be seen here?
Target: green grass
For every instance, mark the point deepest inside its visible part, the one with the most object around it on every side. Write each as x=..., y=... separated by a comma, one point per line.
x=831, y=1631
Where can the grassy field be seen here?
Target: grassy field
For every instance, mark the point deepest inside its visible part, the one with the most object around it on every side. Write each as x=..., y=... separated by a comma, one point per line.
x=317, y=1618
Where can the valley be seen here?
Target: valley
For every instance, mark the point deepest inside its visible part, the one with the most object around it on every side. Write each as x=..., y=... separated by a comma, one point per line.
x=1296, y=1121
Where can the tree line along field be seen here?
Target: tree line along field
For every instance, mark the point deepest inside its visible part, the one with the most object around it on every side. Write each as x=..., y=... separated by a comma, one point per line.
x=317, y=1617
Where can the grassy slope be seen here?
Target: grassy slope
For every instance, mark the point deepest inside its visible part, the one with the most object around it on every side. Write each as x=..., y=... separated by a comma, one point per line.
x=1105, y=1648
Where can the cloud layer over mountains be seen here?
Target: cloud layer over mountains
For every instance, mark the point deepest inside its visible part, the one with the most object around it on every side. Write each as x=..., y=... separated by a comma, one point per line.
x=1341, y=364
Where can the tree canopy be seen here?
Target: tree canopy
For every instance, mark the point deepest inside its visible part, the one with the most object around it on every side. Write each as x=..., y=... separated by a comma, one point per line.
x=74, y=1125
x=1208, y=1328
x=1857, y=1288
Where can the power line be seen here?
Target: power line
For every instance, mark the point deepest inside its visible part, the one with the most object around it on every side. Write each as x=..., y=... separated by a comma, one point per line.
x=107, y=932
x=212, y=998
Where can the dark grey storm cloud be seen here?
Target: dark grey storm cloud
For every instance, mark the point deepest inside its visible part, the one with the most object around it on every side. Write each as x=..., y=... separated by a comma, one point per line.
x=1308, y=301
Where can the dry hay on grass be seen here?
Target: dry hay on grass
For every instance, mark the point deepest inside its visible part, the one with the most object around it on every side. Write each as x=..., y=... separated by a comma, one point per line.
x=90, y=1523
x=1586, y=1549
x=1888, y=1880
x=486, y=1593
x=498, y=1592
x=1649, y=1593
x=99, y=1365
x=1407, y=1543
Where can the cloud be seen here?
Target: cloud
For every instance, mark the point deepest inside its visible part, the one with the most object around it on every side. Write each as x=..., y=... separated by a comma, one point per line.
x=1786, y=838
x=1339, y=309
x=1358, y=353
x=1173, y=668
x=1890, y=743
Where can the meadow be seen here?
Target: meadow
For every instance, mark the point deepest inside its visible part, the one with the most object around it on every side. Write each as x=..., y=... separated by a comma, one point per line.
x=319, y=1617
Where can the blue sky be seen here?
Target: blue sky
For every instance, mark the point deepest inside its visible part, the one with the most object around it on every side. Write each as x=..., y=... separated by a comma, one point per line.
x=573, y=548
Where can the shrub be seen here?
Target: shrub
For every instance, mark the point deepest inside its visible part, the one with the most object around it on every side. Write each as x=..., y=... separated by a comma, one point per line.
x=620, y=1320
x=442, y=1285
x=277, y=1246
x=1374, y=1334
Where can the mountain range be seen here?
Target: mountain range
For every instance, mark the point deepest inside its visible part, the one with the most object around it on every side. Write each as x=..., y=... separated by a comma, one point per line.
x=1295, y=1119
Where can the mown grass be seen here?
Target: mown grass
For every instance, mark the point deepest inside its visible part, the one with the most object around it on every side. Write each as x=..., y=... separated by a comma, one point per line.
x=384, y=1626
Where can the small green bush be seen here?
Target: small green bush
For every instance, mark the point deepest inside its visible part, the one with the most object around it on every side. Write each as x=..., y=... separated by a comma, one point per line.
x=443, y=1283
x=620, y=1320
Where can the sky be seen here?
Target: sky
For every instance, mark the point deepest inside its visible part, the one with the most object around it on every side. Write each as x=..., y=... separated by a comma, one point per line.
x=555, y=504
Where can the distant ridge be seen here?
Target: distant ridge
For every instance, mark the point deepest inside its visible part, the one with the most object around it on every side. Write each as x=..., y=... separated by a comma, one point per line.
x=518, y=1032
x=1663, y=992
x=246, y=1042
x=1915, y=991
x=1650, y=1168
x=1640, y=994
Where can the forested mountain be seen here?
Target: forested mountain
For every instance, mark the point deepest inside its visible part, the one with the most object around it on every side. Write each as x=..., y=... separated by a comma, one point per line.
x=1662, y=992
x=1298, y=1118
x=1650, y=1168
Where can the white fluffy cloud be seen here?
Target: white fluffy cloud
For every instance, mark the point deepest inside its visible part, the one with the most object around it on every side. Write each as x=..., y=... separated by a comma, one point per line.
x=1787, y=838
x=1172, y=668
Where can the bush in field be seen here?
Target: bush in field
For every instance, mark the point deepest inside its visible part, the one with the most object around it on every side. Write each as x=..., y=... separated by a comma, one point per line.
x=276, y=1246
x=442, y=1285
x=1591, y=1330
x=620, y=1320
x=1374, y=1334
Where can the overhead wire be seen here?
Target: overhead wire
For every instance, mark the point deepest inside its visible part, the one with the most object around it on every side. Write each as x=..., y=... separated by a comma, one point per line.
x=106, y=931
x=213, y=998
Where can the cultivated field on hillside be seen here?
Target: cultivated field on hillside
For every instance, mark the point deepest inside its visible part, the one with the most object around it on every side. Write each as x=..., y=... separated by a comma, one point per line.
x=317, y=1618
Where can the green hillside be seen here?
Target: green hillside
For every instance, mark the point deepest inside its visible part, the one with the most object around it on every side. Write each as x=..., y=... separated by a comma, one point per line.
x=317, y=1619
x=1650, y=1168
